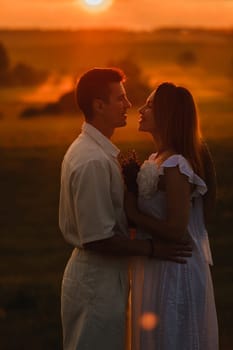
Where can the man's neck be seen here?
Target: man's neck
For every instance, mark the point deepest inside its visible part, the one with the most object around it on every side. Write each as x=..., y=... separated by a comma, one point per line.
x=103, y=129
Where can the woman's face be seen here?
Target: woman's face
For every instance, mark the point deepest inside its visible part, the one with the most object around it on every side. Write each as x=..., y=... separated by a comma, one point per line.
x=147, y=119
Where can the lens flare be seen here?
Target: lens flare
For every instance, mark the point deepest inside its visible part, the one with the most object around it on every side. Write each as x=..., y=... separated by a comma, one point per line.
x=149, y=321
x=95, y=5
x=93, y=2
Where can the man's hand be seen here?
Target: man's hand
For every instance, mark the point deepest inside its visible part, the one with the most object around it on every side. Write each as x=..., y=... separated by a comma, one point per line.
x=176, y=252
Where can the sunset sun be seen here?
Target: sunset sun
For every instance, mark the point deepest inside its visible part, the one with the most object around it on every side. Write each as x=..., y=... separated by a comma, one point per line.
x=95, y=5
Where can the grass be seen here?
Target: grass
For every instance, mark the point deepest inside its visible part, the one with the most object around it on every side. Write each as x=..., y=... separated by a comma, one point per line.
x=34, y=253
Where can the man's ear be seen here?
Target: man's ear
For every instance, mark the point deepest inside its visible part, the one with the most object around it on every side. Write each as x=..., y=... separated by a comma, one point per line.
x=98, y=105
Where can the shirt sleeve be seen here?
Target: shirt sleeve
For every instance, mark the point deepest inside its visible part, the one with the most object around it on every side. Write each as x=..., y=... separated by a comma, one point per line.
x=93, y=207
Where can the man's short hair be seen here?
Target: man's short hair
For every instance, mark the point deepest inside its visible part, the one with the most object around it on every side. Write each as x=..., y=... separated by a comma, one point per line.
x=93, y=84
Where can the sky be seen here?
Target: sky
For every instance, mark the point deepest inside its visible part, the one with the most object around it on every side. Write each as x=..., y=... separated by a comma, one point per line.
x=127, y=14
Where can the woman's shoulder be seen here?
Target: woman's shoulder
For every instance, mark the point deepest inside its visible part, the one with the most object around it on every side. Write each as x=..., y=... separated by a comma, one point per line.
x=161, y=157
x=184, y=167
x=173, y=159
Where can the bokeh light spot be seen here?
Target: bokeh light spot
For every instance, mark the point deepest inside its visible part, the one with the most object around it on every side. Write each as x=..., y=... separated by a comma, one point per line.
x=149, y=321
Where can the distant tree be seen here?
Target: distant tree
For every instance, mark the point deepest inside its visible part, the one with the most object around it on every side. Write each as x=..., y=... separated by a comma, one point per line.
x=230, y=71
x=23, y=74
x=187, y=58
x=4, y=59
x=230, y=75
x=30, y=112
x=136, y=84
x=19, y=75
x=49, y=109
x=65, y=105
x=4, y=66
x=67, y=102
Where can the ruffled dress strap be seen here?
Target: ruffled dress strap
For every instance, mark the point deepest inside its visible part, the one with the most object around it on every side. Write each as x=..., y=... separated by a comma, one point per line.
x=152, y=156
x=186, y=169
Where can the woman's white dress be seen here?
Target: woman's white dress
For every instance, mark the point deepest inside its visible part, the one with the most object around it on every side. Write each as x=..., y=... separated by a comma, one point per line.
x=173, y=305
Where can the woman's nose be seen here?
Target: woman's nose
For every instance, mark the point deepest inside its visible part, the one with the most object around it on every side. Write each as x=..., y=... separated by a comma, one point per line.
x=141, y=109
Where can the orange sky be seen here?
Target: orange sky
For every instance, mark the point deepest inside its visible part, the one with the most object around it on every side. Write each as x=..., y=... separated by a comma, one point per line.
x=130, y=14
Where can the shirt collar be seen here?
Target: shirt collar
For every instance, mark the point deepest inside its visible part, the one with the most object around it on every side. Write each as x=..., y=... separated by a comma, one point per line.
x=99, y=138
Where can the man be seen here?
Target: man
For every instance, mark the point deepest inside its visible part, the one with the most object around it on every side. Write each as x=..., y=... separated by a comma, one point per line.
x=95, y=285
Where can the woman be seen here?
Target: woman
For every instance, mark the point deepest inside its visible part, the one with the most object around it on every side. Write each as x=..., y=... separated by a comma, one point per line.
x=176, y=194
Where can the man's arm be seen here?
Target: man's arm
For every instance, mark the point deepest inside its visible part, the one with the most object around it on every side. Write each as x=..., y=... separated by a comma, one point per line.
x=95, y=217
x=121, y=246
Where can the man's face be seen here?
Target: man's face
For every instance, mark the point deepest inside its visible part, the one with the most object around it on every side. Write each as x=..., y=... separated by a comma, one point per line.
x=115, y=110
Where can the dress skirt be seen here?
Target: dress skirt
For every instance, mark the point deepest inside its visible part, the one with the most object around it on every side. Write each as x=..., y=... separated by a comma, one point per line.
x=181, y=299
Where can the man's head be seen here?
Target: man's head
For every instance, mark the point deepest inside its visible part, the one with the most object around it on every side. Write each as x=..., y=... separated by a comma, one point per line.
x=100, y=94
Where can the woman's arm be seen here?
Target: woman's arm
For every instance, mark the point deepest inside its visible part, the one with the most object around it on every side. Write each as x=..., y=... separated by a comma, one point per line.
x=174, y=227
x=120, y=246
x=210, y=179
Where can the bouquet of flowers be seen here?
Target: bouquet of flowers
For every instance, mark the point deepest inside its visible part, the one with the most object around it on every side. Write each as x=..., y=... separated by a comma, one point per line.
x=130, y=167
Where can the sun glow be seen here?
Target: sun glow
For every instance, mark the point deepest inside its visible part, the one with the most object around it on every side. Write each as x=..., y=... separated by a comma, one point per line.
x=95, y=5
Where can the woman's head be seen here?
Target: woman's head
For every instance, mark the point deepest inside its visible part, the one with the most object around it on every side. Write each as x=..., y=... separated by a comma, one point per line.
x=170, y=115
x=176, y=121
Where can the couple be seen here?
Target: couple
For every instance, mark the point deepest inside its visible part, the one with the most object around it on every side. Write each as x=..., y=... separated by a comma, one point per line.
x=171, y=254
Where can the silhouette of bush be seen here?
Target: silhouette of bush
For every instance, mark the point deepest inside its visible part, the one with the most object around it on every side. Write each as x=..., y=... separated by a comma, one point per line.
x=26, y=75
x=187, y=58
x=4, y=66
x=67, y=102
x=136, y=85
x=50, y=108
x=65, y=105
x=5, y=78
x=4, y=59
x=19, y=75
x=30, y=112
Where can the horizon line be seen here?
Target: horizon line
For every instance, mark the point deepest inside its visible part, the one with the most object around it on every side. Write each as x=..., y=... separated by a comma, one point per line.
x=123, y=29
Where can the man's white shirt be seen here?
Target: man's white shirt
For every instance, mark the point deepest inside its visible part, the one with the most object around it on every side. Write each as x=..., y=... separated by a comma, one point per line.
x=92, y=190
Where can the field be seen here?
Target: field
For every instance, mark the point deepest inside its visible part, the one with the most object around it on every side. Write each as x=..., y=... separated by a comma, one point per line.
x=33, y=252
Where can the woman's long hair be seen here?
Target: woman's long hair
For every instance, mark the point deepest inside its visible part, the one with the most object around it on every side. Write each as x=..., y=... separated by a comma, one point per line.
x=177, y=124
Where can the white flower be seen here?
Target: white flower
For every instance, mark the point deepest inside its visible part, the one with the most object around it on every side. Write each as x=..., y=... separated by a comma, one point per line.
x=148, y=178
